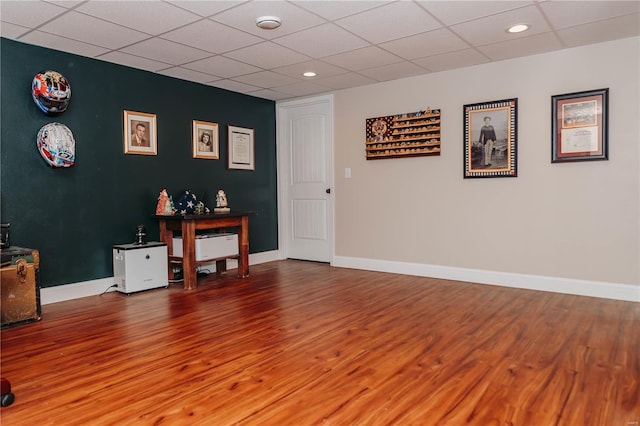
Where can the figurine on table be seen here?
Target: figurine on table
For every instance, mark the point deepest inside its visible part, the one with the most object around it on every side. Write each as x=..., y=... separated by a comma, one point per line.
x=221, y=203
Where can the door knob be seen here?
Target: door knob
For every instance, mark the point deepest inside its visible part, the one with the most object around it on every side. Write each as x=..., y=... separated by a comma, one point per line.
x=328, y=190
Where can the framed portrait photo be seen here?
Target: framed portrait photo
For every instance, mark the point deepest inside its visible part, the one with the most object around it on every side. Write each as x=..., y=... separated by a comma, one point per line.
x=579, y=126
x=241, y=148
x=205, y=140
x=140, y=133
x=490, y=139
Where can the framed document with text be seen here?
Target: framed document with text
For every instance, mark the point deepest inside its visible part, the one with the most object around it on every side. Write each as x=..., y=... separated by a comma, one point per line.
x=241, y=148
x=579, y=126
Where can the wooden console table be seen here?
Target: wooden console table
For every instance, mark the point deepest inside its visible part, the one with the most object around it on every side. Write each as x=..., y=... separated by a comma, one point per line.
x=188, y=224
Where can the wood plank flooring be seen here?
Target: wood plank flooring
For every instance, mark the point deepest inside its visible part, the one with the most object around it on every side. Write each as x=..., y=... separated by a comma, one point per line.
x=301, y=343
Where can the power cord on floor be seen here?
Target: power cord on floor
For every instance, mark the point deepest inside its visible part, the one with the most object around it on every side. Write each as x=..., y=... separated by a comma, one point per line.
x=106, y=290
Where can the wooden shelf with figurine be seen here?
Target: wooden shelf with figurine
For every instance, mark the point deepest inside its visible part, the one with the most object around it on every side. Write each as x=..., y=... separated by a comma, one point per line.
x=403, y=135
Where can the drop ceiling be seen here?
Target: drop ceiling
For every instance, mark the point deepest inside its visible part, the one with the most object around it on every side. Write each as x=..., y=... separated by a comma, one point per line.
x=346, y=43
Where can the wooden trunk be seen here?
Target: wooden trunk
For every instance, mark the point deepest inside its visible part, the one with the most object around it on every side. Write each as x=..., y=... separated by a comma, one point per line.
x=20, y=293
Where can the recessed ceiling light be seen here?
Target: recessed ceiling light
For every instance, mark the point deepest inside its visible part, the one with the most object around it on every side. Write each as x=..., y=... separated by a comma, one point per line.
x=268, y=22
x=518, y=28
x=309, y=74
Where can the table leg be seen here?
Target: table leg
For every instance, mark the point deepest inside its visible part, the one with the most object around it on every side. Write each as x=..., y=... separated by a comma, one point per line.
x=189, y=255
x=243, y=247
x=166, y=236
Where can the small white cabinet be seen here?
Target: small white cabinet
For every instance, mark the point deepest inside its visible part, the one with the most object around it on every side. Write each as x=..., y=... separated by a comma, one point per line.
x=138, y=267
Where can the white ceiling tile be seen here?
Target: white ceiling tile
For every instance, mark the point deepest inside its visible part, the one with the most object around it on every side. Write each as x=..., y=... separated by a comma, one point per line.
x=205, y=8
x=65, y=3
x=266, y=79
x=336, y=9
x=267, y=55
x=302, y=88
x=452, y=60
x=563, y=14
x=270, y=94
x=166, y=51
x=133, y=61
x=461, y=11
x=211, y=36
x=221, y=66
x=368, y=57
x=244, y=18
x=394, y=71
x=189, y=75
x=377, y=25
x=425, y=44
x=12, y=31
x=322, y=69
x=609, y=29
x=492, y=29
x=323, y=40
x=151, y=17
x=344, y=81
x=52, y=41
x=234, y=86
x=533, y=45
x=92, y=30
x=28, y=13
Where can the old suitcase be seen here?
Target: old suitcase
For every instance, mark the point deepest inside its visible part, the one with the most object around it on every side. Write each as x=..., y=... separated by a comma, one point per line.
x=20, y=289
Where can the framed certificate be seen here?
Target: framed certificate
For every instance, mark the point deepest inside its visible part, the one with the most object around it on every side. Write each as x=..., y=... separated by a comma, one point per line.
x=579, y=126
x=241, y=148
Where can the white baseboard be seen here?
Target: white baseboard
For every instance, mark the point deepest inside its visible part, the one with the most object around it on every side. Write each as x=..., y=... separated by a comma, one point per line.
x=600, y=289
x=532, y=282
x=61, y=293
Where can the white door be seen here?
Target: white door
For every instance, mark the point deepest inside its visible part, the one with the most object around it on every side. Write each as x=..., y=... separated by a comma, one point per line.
x=305, y=175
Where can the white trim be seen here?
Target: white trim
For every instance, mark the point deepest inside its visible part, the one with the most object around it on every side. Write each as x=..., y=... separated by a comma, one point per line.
x=60, y=293
x=72, y=291
x=506, y=279
x=599, y=289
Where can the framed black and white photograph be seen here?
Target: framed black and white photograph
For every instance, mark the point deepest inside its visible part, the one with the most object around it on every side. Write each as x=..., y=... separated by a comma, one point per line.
x=579, y=126
x=241, y=148
x=140, y=133
x=490, y=139
x=205, y=140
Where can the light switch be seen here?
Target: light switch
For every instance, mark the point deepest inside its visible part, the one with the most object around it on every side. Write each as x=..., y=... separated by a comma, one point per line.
x=347, y=172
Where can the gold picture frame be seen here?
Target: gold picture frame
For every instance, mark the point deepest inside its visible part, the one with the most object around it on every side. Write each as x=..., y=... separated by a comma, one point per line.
x=139, y=133
x=205, y=140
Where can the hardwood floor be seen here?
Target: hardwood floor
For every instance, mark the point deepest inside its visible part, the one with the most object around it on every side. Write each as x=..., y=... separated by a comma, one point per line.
x=301, y=343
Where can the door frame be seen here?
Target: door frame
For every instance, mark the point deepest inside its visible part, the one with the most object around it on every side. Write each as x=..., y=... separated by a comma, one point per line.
x=284, y=171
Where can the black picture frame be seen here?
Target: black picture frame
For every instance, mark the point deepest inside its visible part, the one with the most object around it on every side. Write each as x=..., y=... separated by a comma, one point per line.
x=579, y=126
x=482, y=157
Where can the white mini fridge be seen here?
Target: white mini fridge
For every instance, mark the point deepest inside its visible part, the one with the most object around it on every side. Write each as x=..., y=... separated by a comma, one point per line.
x=138, y=267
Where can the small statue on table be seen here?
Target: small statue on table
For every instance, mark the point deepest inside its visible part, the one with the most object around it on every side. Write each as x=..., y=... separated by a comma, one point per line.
x=221, y=203
x=165, y=204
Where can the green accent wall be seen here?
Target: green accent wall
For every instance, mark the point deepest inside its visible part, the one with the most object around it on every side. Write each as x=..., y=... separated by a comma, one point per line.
x=74, y=216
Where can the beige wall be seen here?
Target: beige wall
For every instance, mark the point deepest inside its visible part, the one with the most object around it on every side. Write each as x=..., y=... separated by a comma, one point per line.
x=570, y=220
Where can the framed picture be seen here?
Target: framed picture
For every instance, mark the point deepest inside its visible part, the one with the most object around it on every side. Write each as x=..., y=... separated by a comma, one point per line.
x=579, y=126
x=241, y=148
x=490, y=139
x=205, y=140
x=140, y=133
